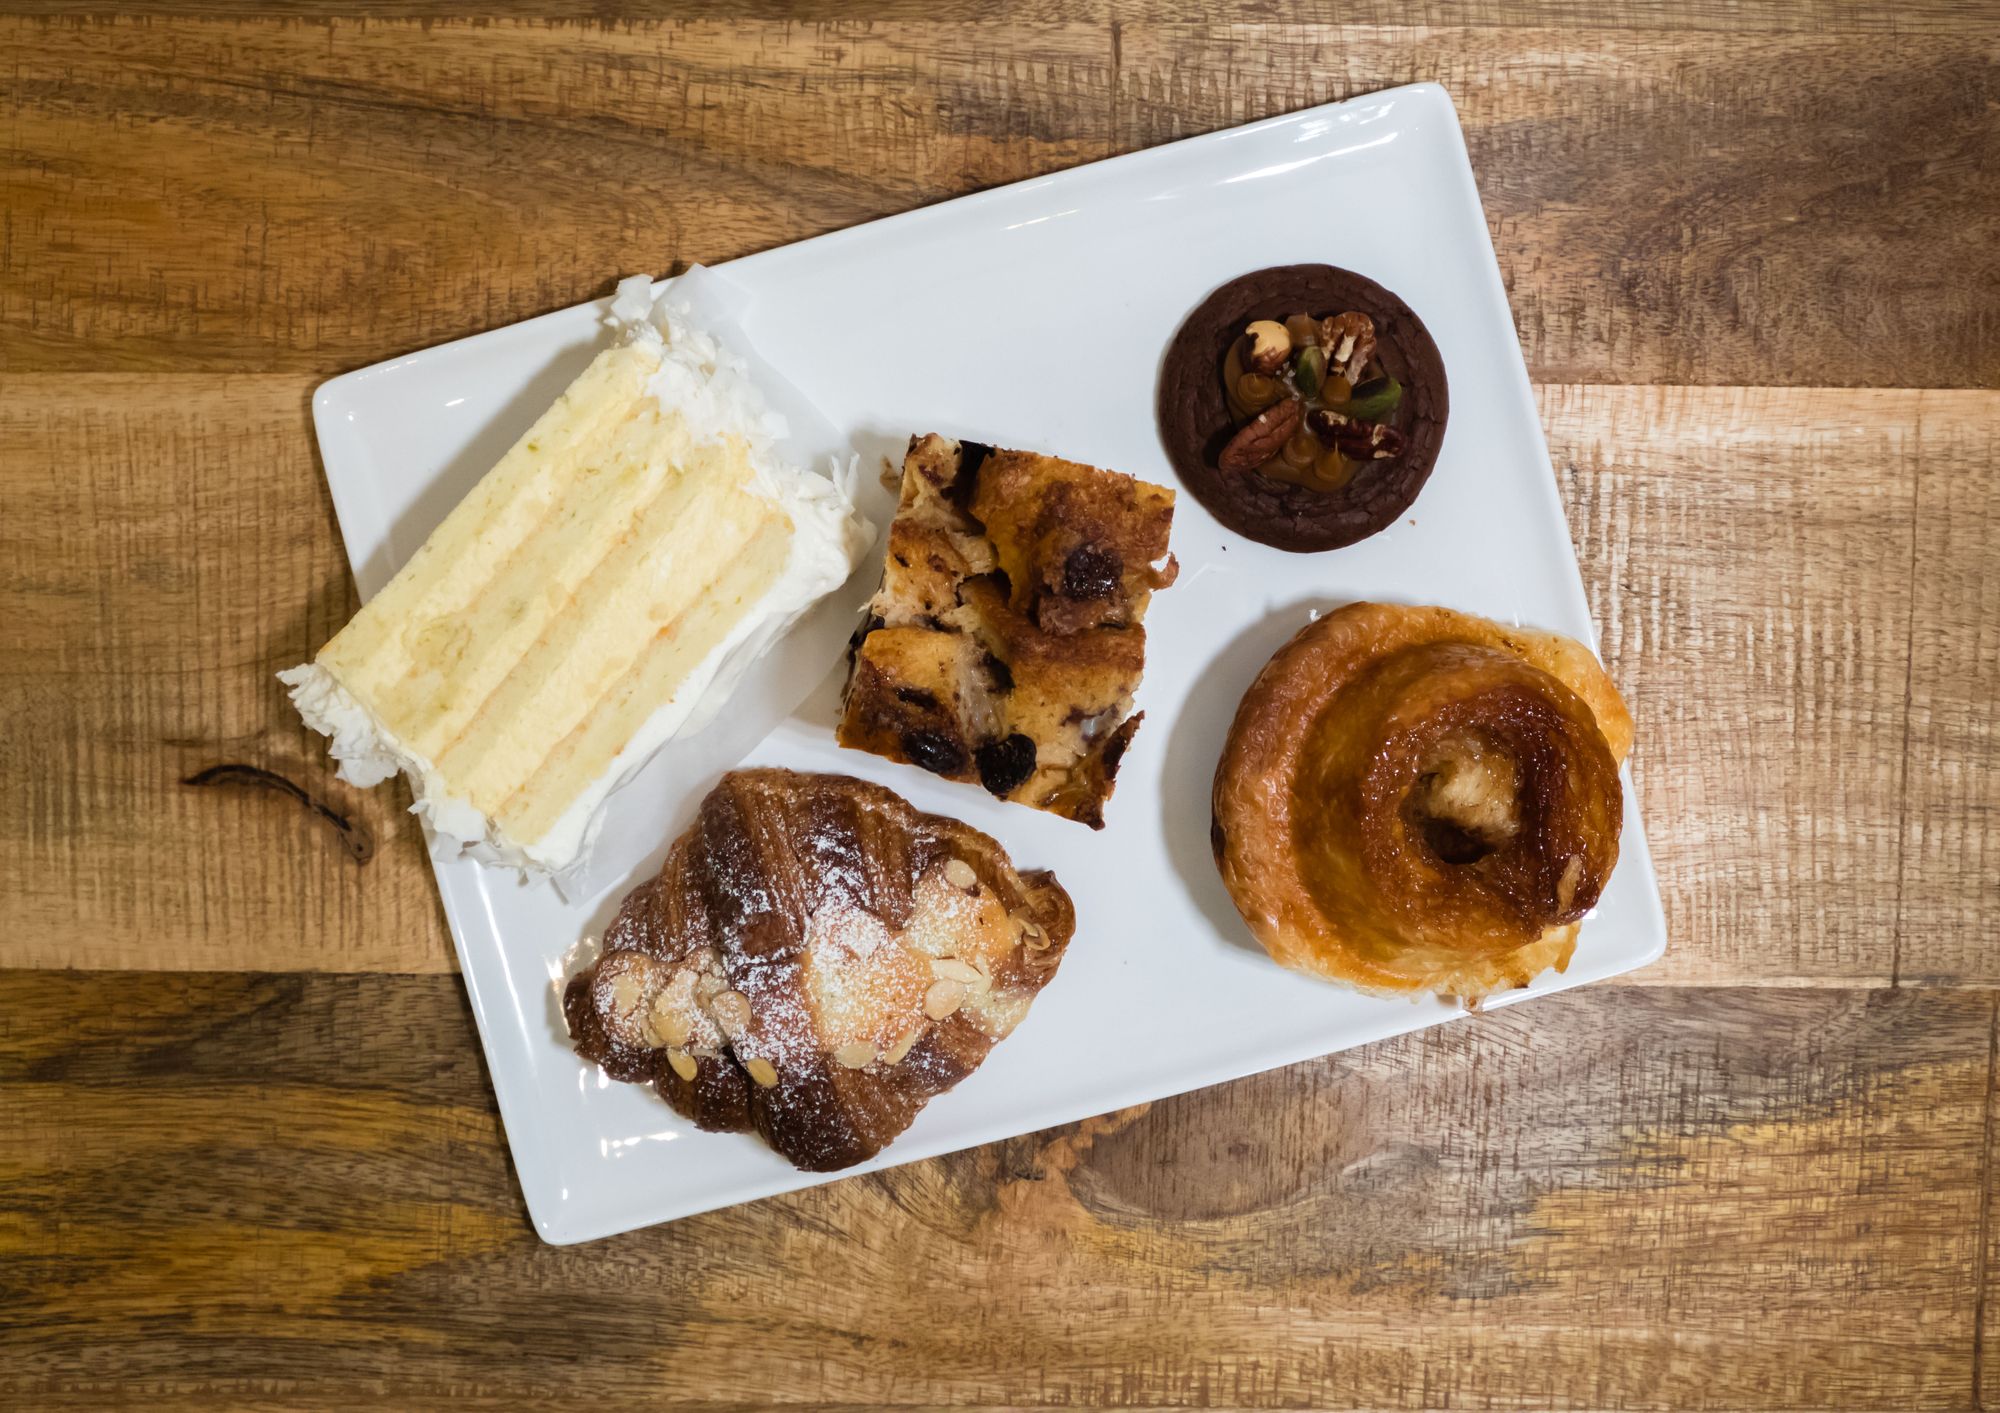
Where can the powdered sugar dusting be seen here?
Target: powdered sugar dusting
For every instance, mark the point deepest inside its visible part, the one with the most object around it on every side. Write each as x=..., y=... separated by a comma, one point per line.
x=866, y=985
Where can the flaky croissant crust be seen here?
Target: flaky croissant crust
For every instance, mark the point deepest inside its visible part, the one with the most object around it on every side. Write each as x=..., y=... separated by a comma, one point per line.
x=1327, y=829
x=816, y=961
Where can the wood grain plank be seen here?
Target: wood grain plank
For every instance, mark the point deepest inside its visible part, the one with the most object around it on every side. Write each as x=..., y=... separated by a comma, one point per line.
x=166, y=545
x=1668, y=205
x=293, y=1191
x=1950, y=877
x=345, y=191
x=1956, y=17
x=1669, y=210
x=1747, y=554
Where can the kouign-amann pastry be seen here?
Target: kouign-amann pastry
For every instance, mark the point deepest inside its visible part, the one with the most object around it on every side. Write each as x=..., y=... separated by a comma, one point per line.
x=816, y=961
x=1008, y=637
x=1414, y=799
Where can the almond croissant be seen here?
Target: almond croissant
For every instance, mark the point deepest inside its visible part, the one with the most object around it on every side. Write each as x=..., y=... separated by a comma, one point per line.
x=816, y=961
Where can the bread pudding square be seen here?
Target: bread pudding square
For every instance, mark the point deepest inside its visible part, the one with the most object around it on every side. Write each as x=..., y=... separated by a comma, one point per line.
x=1008, y=638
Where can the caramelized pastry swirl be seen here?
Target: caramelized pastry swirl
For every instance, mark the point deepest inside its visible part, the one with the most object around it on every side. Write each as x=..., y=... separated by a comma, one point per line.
x=1414, y=799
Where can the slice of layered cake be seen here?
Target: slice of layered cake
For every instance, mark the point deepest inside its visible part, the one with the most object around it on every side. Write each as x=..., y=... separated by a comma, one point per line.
x=596, y=594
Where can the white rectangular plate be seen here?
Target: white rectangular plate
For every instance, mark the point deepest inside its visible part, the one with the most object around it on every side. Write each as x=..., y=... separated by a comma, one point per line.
x=1033, y=316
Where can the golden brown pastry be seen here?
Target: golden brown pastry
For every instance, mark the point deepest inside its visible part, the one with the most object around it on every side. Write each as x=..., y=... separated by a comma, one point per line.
x=1414, y=799
x=1008, y=638
x=816, y=961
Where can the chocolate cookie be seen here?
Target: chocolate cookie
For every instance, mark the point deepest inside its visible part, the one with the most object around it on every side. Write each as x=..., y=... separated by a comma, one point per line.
x=1196, y=421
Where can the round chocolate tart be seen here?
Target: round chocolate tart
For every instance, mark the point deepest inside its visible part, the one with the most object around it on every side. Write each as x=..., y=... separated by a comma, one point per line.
x=1197, y=421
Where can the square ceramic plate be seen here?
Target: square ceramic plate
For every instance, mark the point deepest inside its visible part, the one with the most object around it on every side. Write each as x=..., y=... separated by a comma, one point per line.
x=1032, y=316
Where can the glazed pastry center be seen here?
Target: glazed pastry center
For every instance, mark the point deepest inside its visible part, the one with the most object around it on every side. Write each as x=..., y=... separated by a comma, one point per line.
x=1467, y=800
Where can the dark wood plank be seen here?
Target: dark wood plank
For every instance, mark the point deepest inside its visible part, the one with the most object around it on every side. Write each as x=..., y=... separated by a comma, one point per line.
x=1701, y=16
x=1667, y=209
x=293, y=1191
x=344, y=191
x=1802, y=207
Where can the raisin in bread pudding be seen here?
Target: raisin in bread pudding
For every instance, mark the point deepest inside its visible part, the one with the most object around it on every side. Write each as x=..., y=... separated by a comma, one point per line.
x=1008, y=638
x=816, y=961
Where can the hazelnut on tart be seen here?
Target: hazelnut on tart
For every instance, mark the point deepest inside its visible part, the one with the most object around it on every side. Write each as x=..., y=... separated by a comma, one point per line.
x=1304, y=405
x=816, y=961
x=1413, y=799
x=1008, y=637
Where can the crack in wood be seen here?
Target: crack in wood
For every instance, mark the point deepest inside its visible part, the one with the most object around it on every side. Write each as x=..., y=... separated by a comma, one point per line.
x=354, y=835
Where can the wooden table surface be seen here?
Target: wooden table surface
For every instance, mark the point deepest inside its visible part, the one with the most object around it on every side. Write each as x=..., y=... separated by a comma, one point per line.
x=248, y=1154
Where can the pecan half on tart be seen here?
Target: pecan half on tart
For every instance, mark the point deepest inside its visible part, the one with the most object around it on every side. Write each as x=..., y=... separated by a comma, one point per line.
x=1304, y=405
